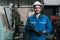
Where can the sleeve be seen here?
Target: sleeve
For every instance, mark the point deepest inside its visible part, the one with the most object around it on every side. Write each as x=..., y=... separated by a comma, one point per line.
x=26, y=27
x=49, y=26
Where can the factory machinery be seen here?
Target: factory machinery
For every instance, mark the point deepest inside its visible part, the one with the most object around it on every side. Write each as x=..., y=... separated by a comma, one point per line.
x=12, y=26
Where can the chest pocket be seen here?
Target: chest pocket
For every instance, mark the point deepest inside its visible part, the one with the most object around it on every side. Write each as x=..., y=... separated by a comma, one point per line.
x=42, y=25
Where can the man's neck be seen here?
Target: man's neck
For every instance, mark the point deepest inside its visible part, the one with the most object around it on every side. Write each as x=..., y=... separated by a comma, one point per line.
x=37, y=15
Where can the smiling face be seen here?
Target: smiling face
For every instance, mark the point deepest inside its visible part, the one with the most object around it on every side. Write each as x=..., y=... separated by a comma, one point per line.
x=37, y=9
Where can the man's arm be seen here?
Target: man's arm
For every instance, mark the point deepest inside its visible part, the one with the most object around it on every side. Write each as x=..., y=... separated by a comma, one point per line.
x=49, y=26
x=26, y=27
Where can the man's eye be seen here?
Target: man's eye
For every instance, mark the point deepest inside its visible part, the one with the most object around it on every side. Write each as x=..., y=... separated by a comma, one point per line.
x=37, y=8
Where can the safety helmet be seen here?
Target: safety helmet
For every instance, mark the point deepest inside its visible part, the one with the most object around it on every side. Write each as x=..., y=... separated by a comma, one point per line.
x=37, y=3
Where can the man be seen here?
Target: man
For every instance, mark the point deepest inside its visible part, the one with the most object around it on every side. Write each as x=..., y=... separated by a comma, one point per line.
x=38, y=25
x=16, y=22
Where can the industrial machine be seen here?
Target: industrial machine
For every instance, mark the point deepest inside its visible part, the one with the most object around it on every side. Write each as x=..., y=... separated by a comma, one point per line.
x=10, y=23
x=5, y=33
x=56, y=27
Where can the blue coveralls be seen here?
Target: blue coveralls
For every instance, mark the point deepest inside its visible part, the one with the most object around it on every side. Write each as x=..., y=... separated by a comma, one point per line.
x=40, y=24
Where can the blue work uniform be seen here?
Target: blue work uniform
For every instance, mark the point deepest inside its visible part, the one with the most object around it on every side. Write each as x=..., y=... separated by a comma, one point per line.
x=40, y=24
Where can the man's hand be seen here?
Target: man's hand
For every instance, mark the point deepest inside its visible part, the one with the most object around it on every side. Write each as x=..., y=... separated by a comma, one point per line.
x=40, y=33
x=31, y=27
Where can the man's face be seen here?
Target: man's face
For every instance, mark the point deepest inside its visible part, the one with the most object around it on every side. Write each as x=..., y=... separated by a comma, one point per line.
x=37, y=9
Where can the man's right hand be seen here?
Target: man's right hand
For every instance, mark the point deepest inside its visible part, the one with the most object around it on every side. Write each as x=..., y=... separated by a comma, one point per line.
x=31, y=27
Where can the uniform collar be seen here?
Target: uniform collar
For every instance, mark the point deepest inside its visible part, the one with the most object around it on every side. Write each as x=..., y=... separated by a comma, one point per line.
x=39, y=15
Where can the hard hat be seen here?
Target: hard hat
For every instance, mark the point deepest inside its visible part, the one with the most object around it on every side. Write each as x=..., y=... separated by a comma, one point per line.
x=36, y=3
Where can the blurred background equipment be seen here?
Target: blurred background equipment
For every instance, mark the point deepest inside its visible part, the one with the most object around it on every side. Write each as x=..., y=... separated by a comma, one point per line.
x=14, y=13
